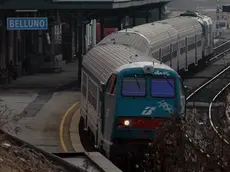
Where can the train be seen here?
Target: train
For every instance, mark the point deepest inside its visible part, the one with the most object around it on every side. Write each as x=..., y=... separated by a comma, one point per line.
x=126, y=96
x=130, y=83
x=180, y=42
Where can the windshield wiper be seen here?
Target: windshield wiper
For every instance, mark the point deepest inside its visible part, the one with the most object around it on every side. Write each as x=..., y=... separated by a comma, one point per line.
x=168, y=81
x=138, y=84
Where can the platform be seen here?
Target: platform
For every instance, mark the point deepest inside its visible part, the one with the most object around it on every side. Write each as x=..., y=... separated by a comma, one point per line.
x=96, y=157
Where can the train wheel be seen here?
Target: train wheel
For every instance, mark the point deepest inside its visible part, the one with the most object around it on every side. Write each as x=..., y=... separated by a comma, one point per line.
x=91, y=139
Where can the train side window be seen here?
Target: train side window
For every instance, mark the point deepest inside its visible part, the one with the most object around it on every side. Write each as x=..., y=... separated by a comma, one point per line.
x=191, y=46
x=166, y=58
x=175, y=46
x=92, y=93
x=111, y=89
x=174, y=54
x=156, y=54
x=182, y=50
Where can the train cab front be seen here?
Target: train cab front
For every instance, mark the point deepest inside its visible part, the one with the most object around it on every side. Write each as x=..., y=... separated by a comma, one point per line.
x=144, y=102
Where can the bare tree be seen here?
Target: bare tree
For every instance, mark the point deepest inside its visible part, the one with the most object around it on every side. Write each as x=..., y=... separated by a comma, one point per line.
x=9, y=119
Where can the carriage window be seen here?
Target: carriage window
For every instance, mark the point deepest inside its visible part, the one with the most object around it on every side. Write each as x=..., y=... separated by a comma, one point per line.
x=166, y=58
x=174, y=53
x=174, y=47
x=191, y=46
x=133, y=86
x=182, y=50
x=161, y=87
x=92, y=93
x=84, y=83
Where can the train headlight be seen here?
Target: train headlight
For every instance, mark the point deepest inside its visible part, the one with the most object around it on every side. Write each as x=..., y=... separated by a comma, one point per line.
x=127, y=123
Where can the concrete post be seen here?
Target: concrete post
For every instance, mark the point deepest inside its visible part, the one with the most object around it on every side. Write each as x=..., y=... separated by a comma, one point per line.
x=3, y=37
x=102, y=27
x=66, y=41
x=94, y=25
x=72, y=39
x=80, y=54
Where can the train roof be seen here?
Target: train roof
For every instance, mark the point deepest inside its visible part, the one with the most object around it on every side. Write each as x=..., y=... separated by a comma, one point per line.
x=154, y=35
x=106, y=59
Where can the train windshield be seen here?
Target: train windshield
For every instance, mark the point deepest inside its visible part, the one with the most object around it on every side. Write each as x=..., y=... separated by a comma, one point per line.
x=133, y=86
x=163, y=87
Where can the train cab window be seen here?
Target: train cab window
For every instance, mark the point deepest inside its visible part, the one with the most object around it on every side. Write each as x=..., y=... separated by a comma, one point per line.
x=133, y=86
x=111, y=89
x=162, y=87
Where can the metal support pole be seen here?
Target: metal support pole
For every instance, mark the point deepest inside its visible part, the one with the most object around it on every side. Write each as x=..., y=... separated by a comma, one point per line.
x=217, y=17
x=53, y=46
x=134, y=20
x=119, y=19
x=160, y=13
x=79, y=55
x=147, y=16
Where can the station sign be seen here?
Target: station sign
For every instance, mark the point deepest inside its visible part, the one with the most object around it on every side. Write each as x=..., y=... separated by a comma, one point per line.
x=27, y=23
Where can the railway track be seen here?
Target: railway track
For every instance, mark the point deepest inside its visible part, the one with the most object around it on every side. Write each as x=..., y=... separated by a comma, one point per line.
x=218, y=117
x=202, y=128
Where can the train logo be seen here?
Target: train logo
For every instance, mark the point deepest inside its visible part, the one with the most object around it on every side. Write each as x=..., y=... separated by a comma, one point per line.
x=161, y=73
x=148, y=111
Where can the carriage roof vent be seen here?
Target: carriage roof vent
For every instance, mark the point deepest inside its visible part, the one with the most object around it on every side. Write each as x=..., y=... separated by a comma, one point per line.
x=190, y=13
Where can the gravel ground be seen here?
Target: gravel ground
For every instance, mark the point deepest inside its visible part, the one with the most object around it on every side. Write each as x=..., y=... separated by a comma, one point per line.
x=14, y=158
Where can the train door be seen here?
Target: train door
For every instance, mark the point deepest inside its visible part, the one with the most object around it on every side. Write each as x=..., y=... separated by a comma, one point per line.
x=109, y=109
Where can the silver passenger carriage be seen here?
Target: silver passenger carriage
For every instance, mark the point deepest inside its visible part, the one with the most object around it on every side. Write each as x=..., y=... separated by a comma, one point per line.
x=178, y=42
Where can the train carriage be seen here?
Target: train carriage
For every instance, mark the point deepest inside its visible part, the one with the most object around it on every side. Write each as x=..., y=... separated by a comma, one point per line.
x=178, y=42
x=126, y=95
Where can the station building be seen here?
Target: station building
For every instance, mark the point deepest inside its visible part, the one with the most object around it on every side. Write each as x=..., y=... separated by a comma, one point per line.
x=72, y=28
